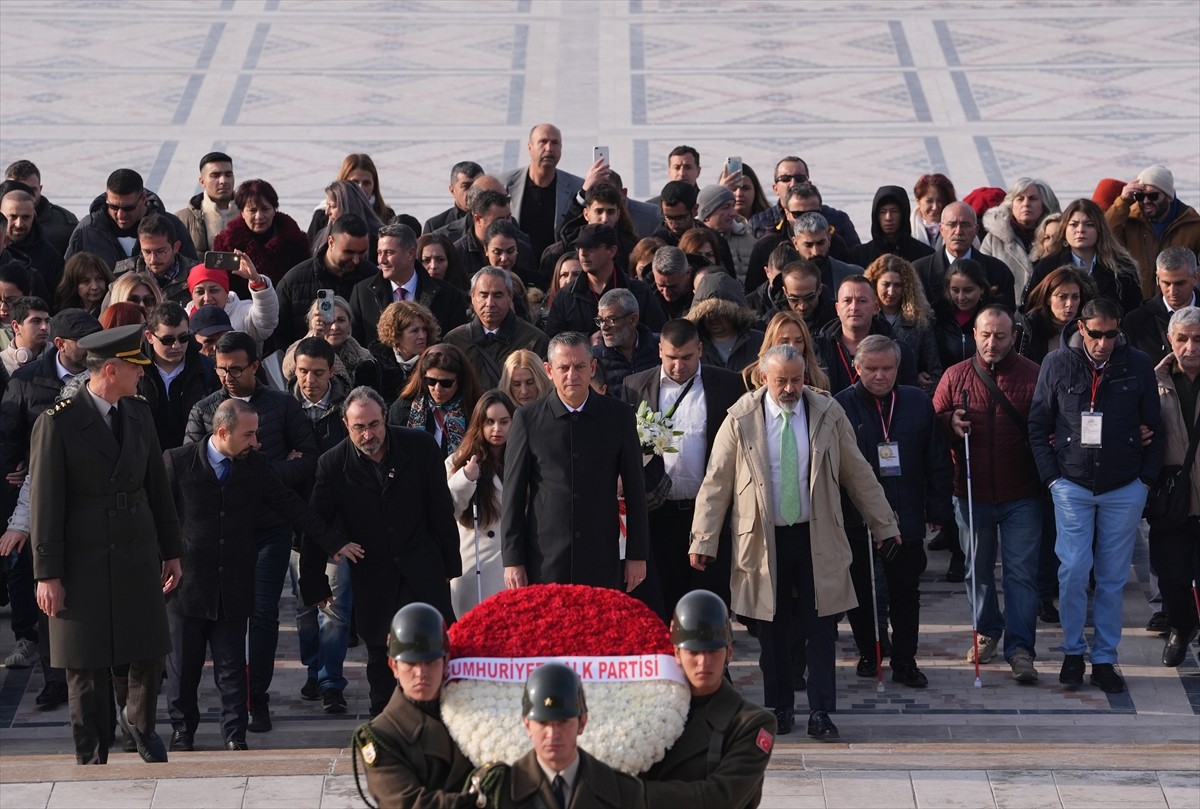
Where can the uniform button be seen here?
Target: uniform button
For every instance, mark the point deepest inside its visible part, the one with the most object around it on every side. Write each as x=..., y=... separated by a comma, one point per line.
x=491, y=534
x=220, y=568
x=574, y=417
x=220, y=542
x=112, y=480
x=112, y=547
x=131, y=478
x=578, y=535
x=575, y=455
x=221, y=513
x=577, y=495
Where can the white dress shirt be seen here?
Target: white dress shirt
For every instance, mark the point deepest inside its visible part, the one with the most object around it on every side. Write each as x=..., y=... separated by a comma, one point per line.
x=799, y=425
x=685, y=467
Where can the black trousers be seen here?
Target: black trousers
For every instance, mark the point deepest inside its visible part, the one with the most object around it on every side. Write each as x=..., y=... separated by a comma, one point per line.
x=90, y=701
x=190, y=637
x=796, y=601
x=670, y=536
x=903, y=575
x=1175, y=555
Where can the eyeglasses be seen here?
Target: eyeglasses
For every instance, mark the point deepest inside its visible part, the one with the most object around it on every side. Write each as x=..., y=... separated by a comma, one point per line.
x=792, y=178
x=123, y=208
x=1148, y=196
x=233, y=372
x=142, y=300
x=170, y=339
x=446, y=384
x=1105, y=335
x=358, y=429
x=612, y=321
x=809, y=298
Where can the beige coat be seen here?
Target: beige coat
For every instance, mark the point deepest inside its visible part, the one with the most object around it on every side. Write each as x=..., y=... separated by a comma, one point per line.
x=1176, y=431
x=738, y=481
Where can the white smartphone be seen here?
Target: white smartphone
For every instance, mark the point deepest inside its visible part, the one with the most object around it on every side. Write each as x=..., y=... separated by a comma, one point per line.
x=733, y=165
x=600, y=153
x=325, y=305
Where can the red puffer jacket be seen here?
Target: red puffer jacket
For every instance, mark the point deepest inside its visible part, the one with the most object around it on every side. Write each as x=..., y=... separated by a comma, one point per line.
x=1002, y=465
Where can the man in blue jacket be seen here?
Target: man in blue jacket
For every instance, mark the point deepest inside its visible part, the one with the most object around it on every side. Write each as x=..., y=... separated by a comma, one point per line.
x=1092, y=398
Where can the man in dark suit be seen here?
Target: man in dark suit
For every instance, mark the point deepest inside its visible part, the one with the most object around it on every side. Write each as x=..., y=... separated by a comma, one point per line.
x=564, y=456
x=697, y=403
x=387, y=486
x=1146, y=326
x=106, y=545
x=495, y=331
x=220, y=485
x=959, y=227
x=401, y=278
x=540, y=192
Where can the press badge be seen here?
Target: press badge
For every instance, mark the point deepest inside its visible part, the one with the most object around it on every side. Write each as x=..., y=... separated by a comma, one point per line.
x=1090, y=427
x=889, y=459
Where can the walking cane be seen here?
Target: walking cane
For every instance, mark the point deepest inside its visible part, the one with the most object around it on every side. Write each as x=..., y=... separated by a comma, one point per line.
x=971, y=531
x=478, y=570
x=874, y=598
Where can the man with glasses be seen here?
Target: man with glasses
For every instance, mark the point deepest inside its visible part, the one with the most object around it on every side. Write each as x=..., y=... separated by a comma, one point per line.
x=158, y=253
x=287, y=438
x=804, y=294
x=179, y=376
x=1148, y=218
x=626, y=346
x=799, y=199
x=959, y=228
x=790, y=172
x=110, y=228
x=1092, y=398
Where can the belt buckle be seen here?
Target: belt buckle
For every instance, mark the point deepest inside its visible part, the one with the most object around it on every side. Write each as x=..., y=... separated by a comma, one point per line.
x=122, y=501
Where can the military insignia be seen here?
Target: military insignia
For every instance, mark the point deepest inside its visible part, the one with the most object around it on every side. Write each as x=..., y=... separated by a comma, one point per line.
x=369, y=754
x=765, y=741
x=59, y=407
x=549, y=702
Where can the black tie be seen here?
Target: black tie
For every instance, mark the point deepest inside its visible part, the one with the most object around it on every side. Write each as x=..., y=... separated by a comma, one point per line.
x=114, y=416
x=559, y=785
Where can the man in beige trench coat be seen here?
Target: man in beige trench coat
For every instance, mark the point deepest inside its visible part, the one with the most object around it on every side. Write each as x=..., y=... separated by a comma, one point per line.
x=777, y=465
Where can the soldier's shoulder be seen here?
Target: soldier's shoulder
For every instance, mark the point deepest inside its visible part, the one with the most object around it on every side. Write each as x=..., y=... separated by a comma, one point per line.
x=60, y=407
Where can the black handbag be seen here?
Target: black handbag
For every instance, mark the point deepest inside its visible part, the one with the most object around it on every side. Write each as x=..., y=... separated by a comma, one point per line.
x=1170, y=498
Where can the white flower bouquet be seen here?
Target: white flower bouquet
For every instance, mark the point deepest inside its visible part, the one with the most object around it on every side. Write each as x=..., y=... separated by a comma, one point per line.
x=656, y=432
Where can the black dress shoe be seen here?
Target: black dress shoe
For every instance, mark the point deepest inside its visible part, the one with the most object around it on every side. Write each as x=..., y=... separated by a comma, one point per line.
x=1047, y=612
x=1158, y=623
x=957, y=571
x=236, y=744
x=784, y=717
x=1176, y=648
x=260, y=720
x=910, y=676
x=333, y=701
x=1071, y=673
x=309, y=691
x=181, y=740
x=1105, y=677
x=821, y=727
x=53, y=694
x=866, y=667
x=939, y=543
x=149, y=746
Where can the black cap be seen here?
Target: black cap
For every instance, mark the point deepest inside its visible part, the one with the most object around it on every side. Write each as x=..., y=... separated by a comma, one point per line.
x=209, y=320
x=72, y=324
x=553, y=691
x=120, y=343
x=417, y=634
x=701, y=622
x=596, y=235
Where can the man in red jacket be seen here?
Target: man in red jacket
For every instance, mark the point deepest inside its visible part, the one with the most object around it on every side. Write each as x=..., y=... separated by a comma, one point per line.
x=1007, y=492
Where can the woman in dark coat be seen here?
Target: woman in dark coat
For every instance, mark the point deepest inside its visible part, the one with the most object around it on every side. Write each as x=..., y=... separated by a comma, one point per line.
x=271, y=238
x=439, y=397
x=966, y=294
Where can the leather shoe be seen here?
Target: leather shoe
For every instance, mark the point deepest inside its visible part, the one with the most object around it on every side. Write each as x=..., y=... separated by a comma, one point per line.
x=1047, y=612
x=821, y=727
x=236, y=744
x=53, y=694
x=260, y=720
x=1158, y=623
x=181, y=740
x=956, y=572
x=1176, y=648
x=910, y=676
x=149, y=746
x=784, y=717
x=866, y=667
x=1071, y=673
x=309, y=690
x=1106, y=678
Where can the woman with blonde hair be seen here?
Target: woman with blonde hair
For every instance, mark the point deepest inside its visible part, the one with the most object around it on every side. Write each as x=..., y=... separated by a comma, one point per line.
x=1011, y=225
x=903, y=305
x=138, y=288
x=350, y=354
x=524, y=377
x=788, y=328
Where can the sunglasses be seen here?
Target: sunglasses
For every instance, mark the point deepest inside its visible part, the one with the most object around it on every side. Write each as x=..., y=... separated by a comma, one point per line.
x=142, y=300
x=122, y=208
x=1148, y=196
x=809, y=298
x=169, y=340
x=791, y=178
x=1106, y=335
x=441, y=383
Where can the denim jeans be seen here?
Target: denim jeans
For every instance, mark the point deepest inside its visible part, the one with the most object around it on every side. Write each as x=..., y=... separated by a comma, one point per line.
x=1112, y=517
x=324, y=632
x=274, y=550
x=1016, y=528
x=22, y=591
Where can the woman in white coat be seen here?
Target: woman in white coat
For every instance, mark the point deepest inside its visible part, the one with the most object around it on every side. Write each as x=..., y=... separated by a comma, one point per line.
x=475, y=474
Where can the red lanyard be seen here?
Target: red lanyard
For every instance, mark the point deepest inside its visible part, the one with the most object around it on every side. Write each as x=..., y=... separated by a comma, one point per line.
x=848, y=366
x=886, y=424
x=1096, y=377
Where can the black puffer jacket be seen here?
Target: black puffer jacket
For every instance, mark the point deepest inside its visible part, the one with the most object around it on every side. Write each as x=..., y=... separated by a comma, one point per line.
x=197, y=380
x=97, y=232
x=955, y=343
x=298, y=290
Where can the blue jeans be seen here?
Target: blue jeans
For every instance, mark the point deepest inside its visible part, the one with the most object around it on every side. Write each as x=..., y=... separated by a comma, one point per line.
x=274, y=550
x=22, y=591
x=324, y=632
x=1112, y=517
x=1019, y=524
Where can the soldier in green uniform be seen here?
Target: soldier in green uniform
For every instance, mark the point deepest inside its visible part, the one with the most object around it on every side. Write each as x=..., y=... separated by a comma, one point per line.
x=106, y=544
x=411, y=761
x=722, y=755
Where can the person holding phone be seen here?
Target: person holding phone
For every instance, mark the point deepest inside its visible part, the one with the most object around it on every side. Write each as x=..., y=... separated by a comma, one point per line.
x=208, y=284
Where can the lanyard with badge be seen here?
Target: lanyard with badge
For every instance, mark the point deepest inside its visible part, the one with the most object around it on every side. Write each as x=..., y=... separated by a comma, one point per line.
x=1091, y=422
x=889, y=450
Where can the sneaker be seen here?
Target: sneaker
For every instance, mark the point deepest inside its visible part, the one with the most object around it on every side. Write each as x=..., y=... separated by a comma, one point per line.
x=333, y=701
x=866, y=667
x=1106, y=678
x=987, y=650
x=1047, y=612
x=1022, y=667
x=909, y=675
x=23, y=656
x=309, y=690
x=1071, y=673
x=957, y=572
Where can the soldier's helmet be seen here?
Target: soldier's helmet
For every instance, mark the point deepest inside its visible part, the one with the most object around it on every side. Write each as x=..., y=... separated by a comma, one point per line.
x=553, y=691
x=417, y=634
x=701, y=622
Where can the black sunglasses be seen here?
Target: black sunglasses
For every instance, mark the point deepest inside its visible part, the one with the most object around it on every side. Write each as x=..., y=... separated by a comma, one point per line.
x=441, y=383
x=1107, y=335
x=123, y=208
x=789, y=178
x=170, y=339
x=1148, y=196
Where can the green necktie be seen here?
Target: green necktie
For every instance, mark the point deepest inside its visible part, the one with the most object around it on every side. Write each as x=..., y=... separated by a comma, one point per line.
x=789, y=473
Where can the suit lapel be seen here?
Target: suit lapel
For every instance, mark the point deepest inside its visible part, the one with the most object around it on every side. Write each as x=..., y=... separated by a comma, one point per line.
x=754, y=434
x=96, y=430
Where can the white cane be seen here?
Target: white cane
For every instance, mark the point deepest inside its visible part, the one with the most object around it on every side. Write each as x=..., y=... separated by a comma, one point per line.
x=478, y=570
x=974, y=547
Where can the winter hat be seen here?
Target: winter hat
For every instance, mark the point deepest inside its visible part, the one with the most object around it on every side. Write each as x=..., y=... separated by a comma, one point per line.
x=720, y=285
x=1107, y=191
x=1160, y=177
x=711, y=198
x=200, y=274
x=984, y=199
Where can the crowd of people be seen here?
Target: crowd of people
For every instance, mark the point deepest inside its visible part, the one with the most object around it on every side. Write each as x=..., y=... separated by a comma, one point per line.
x=206, y=406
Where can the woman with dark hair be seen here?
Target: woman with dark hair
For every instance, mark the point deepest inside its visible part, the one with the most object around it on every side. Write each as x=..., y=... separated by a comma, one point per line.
x=1051, y=305
x=439, y=396
x=903, y=305
x=84, y=283
x=566, y=270
x=358, y=170
x=342, y=197
x=933, y=192
x=437, y=255
x=405, y=330
x=641, y=258
x=748, y=195
x=1088, y=243
x=270, y=237
x=475, y=474
x=706, y=244
x=966, y=294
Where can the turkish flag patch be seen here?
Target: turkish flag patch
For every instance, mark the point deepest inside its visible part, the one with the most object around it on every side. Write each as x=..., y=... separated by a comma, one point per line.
x=765, y=740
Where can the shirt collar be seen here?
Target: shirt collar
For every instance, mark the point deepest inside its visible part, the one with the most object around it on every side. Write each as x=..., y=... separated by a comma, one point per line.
x=215, y=456
x=101, y=405
x=665, y=381
x=568, y=774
